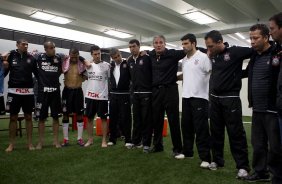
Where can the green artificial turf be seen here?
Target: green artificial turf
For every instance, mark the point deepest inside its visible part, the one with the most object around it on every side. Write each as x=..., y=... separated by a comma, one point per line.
x=112, y=165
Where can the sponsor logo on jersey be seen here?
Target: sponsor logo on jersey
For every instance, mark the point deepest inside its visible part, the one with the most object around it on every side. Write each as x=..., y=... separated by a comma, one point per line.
x=93, y=95
x=49, y=90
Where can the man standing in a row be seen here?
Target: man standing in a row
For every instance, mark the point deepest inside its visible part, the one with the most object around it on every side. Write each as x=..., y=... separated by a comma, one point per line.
x=141, y=76
x=225, y=102
x=120, y=107
x=165, y=93
x=275, y=26
x=196, y=68
x=21, y=65
x=96, y=94
x=49, y=66
x=72, y=96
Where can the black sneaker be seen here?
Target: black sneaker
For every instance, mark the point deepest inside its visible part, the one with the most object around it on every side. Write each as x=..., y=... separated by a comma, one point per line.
x=255, y=177
x=156, y=150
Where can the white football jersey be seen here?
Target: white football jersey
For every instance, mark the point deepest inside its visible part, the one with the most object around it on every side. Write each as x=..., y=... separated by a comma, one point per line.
x=97, y=85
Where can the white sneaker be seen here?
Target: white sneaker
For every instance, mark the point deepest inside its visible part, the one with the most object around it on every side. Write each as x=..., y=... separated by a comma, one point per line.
x=110, y=143
x=179, y=156
x=242, y=173
x=128, y=145
x=205, y=165
x=213, y=166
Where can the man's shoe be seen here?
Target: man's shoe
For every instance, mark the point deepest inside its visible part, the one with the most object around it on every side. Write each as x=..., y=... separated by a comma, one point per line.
x=65, y=143
x=242, y=174
x=255, y=177
x=110, y=143
x=146, y=149
x=178, y=156
x=213, y=166
x=156, y=150
x=128, y=145
x=80, y=142
x=205, y=165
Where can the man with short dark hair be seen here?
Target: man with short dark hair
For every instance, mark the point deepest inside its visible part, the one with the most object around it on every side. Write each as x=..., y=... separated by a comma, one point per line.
x=21, y=65
x=141, y=76
x=96, y=95
x=49, y=66
x=225, y=102
x=196, y=68
x=263, y=70
x=72, y=96
x=120, y=106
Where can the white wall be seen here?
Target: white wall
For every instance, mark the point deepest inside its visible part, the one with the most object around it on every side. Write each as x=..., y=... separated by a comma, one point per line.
x=7, y=45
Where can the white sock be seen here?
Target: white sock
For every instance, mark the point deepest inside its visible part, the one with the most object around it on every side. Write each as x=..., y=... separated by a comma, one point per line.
x=66, y=131
x=79, y=130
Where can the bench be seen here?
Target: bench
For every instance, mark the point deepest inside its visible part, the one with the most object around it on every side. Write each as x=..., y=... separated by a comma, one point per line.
x=19, y=124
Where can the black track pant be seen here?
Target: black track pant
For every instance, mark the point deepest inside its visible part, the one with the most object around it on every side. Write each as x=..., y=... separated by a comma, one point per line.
x=142, y=119
x=227, y=112
x=266, y=144
x=120, y=114
x=166, y=99
x=195, y=122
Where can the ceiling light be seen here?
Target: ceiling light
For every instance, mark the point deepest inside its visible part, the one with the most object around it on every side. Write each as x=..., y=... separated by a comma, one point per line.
x=42, y=15
x=61, y=20
x=232, y=37
x=118, y=34
x=172, y=45
x=199, y=17
x=50, y=17
x=240, y=35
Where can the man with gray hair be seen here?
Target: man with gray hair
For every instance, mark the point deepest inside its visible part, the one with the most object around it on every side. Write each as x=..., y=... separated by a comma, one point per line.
x=120, y=110
x=165, y=94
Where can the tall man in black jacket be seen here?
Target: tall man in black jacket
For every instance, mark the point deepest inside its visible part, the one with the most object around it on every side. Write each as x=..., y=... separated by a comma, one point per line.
x=165, y=93
x=120, y=110
x=263, y=70
x=226, y=109
x=275, y=26
x=141, y=76
x=21, y=65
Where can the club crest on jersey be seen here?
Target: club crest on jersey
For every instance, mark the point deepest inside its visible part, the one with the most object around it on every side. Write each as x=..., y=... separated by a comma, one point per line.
x=141, y=62
x=43, y=59
x=275, y=61
x=124, y=65
x=226, y=57
x=268, y=62
x=196, y=62
x=56, y=60
x=213, y=60
x=28, y=60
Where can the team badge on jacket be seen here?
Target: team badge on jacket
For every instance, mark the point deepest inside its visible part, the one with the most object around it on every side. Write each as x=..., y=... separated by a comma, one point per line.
x=141, y=62
x=227, y=57
x=124, y=65
x=275, y=61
